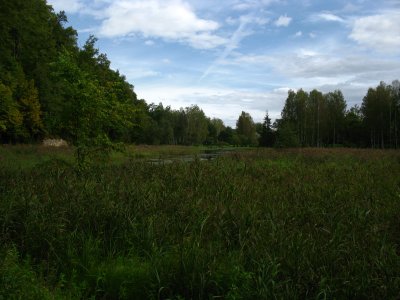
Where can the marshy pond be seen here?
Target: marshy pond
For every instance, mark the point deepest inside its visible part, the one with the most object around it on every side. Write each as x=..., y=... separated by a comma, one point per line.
x=206, y=155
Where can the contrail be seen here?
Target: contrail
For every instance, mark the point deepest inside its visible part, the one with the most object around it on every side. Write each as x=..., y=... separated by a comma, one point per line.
x=234, y=41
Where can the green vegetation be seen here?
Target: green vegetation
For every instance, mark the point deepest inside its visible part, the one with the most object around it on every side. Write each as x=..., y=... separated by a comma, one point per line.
x=30, y=156
x=24, y=157
x=319, y=120
x=50, y=87
x=292, y=224
x=257, y=224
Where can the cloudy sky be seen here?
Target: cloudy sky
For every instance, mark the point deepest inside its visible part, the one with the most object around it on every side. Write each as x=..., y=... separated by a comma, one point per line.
x=233, y=55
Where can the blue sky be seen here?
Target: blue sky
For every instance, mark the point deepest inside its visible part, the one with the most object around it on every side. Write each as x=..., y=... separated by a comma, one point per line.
x=230, y=55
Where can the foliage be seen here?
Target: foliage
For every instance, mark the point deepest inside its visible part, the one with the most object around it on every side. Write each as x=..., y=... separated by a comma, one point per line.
x=11, y=118
x=286, y=136
x=246, y=130
x=322, y=119
x=18, y=280
x=263, y=224
x=30, y=109
x=267, y=135
x=229, y=136
x=197, y=125
x=379, y=107
x=337, y=110
x=317, y=119
x=89, y=111
x=48, y=84
x=354, y=129
x=215, y=127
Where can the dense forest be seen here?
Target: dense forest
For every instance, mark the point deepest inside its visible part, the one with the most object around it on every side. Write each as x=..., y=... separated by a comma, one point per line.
x=49, y=87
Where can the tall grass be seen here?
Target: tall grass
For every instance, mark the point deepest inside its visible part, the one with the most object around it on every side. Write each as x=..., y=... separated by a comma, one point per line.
x=263, y=224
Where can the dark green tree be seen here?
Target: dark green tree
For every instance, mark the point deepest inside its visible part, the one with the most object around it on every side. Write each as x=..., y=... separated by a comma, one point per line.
x=286, y=135
x=229, y=136
x=30, y=108
x=267, y=135
x=11, y=119
x=376, y=108
x=88, y=110
x=395, y=113
x=336, y=116
x=180, y=126
x=197, y=128
x=354, y=129
x=246, y=130
x=315, y=118
x=295, y=113
x=215, y=126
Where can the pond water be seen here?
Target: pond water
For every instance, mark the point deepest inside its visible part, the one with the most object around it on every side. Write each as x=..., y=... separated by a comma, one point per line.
x=206, y=155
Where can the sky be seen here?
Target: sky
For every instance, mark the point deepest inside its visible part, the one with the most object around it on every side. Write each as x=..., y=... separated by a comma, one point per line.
x=229, y=56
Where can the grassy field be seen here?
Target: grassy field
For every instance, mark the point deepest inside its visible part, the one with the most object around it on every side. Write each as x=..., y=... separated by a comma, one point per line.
x=258, y=224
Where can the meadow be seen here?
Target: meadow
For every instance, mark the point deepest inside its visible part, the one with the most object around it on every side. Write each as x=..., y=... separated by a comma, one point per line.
x=254, y=224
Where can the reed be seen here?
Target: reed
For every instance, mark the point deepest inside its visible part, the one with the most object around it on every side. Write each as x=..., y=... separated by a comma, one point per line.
x=298, y=224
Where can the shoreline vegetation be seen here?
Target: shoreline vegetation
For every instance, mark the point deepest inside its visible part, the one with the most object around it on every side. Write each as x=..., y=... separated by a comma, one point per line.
x=301, y=223
x=28, y=156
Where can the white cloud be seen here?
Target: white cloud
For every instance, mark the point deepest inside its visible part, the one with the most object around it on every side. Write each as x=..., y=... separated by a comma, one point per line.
x=87, y=30
x=260, y=21
x=249, y=18
x=69, y=6
x=298, y=34
x=140, y=73
x=204, y=40
x=327, y=17
x=168, y=19
x=252, y=19
x=283, y=21
x=137, y=70
x=334, y=68
x=380, y=32
x=242, y=5
x=149, y=43
x=308, y=67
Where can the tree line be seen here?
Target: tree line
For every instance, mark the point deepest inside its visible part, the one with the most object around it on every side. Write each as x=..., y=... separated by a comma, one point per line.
x=318, y=120
x=50, y=87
